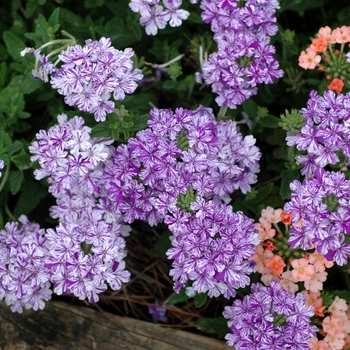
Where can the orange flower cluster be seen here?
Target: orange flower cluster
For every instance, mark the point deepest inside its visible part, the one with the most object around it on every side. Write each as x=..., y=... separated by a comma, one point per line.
x=322, y=54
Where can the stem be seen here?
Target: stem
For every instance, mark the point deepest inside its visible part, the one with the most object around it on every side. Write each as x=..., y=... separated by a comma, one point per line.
x=9, y=213
x=57, y=41
x=222, y=112
x=4, y=179
x=164, y=65
x=277, y=228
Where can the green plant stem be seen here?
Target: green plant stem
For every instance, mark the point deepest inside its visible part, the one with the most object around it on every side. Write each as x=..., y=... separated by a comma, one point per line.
x=222, y=112
x=4, y=179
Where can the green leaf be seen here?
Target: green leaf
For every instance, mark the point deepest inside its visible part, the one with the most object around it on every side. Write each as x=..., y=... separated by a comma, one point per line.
x=41, y=2
x=12, y=103
x=176, y=85
x=178, y=297
x=139, y=121
x=101, y=130
x=15, y=147
x=21, y=160
x=162, y=245
x=287, y=177
x=53, y=21
x=200, y=299
x=15, y=181
x=270, y=121
x=14, y=45
x=251, y=108
x=30, y=198
x=215, y=325
x=263, y=193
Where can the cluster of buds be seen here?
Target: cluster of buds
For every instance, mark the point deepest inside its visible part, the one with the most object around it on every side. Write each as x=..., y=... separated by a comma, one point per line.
x=325, y=54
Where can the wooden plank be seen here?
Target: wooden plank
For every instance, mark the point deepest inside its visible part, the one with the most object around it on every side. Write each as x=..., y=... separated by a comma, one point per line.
x=62, y=326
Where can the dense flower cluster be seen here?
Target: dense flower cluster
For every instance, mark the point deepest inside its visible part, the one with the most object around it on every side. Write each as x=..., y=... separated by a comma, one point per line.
x=92, y=73
x=210, y=246
x=156, y=14
x=326, y=132
x=322, y=203
x=24, y=279
x=180, y=170
x=87, y=248
x=270, y=318
x=244, y=58
x=180, y=152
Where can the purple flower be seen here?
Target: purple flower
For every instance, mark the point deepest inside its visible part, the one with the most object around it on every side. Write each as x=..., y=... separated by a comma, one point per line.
x=158, y=313
x=244, y=58
x=89, y=76
x=325, y=134
x=270, y=318
x=322, y=203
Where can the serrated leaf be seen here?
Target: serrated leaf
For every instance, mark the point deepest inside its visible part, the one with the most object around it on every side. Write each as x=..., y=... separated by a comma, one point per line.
x=200, y=299
x=216, y=325
x=14, y=45
x=178, y=297
x=287, y=177
x=54, y=20
x=140, y=121
x=162, y=245
x=15, y=181
x=12, y=103
x=263, y=193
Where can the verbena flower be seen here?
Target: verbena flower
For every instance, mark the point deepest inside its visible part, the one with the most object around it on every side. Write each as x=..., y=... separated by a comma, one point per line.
x=24, y=279
x=270, y=318
x=322, y=203
x=244, y=58
x=156, y=14
x=180, y=152
x=86, y=251
x=91, y=74
x=325, y=134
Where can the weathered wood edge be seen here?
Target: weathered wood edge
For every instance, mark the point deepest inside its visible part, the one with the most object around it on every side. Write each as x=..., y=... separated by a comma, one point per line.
x=63, y=326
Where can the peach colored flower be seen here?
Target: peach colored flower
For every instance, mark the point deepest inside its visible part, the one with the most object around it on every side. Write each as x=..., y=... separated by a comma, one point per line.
x=272, y=215
x=333, y=325
x=265, y=230
x=268, y=276
x=336, y=85
x=315, y=283
x=341, y=35
x=338, y=307
x=302, y=270
x=335, y=341
x=309, y=59
x=319, y=44
x=261, y=258
x=326, y=32
x=320, y=262
x=276, y=264
x=315, y=300
x=288, y=282
x=316, y=344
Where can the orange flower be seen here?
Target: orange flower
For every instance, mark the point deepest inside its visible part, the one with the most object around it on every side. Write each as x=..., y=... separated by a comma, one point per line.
x=319, y=44
x=270, y=246
x=286, y=218
x=276, y=264
x=336, y=85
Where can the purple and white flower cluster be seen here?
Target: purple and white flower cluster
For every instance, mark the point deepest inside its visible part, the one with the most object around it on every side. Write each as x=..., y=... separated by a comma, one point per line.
x=244, y=58
x=181, y=170
x=92, y=73
x=326, y=133
x=86, y=250
x=322, y=203
x=24, y=278
x=270, y=318
x=156, y=14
